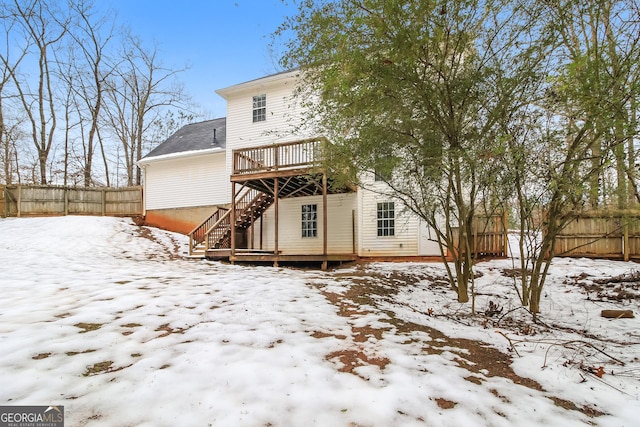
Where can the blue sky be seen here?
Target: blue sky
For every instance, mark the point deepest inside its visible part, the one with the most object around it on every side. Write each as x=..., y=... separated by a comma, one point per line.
x=224, y=42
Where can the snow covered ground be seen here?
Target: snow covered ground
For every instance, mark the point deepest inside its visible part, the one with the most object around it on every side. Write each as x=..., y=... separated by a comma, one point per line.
x=107, y=319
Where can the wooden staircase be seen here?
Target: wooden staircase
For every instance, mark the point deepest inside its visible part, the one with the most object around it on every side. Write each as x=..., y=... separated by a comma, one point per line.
x=215, y=231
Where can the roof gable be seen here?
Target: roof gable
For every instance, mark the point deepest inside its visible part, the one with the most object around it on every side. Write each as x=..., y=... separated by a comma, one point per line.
x=260, y=83
x=194, y=137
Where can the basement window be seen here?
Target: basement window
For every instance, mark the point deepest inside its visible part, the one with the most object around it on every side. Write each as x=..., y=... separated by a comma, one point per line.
x=259, y=108
x=309, y=220
x=386, y=219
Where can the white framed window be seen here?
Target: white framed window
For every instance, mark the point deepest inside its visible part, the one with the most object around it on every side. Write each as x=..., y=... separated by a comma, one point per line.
x=310, y=220
x=380, y=175
x=386, y=219
x=259, y=108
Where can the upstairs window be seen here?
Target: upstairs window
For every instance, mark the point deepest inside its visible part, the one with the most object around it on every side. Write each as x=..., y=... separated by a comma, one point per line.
x=309, y=220
x=386, y=219
x=259, y=108
x=383, y=158
x=379, y=174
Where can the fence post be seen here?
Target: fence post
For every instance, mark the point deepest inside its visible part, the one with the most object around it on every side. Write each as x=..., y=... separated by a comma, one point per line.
x=625, y=241
x=104, y=201
x=19, y=202
x=66, y=201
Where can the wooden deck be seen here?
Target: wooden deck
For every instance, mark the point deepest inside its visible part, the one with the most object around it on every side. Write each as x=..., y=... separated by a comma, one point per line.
x=261, y=177
x=300, y=154
x=283, y=170
x=269, y=172
x=292, y=169
x=258, y=256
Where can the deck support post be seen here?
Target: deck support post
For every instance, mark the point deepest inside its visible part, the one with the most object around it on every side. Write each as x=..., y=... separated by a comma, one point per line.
x=251, y=230
x=324, y=220
x=233, y=220
x=261, y=228
x=276, y=196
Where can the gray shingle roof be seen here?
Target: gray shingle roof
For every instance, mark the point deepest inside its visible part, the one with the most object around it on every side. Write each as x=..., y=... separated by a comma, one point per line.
x=193, y=137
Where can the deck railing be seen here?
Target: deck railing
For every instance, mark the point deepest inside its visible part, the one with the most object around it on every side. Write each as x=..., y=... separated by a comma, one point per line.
x=199, y=234
x=215, y=231
x=248, y=200
x=288, y=155
x=219, y=236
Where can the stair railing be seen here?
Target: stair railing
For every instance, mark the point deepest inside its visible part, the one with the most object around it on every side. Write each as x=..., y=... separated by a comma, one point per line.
x=199, y=234
x=218, y=235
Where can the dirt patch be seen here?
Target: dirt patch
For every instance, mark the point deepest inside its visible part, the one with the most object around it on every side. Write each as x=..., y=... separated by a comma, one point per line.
x=445, y=404
x=87, y=327
x=168, y=330
x=474, y=379
x=319, y=334
x=363, y=296
x=353, y=304
x=101, y=368
x=346, y=306
x=130, y=325
x=73, y=353
x=497, y=394
x=354, y=358
x=567, y=404
x=475, y=356
x=41, y=356
x=171, y=253
x=364, y=333
x=97, y=368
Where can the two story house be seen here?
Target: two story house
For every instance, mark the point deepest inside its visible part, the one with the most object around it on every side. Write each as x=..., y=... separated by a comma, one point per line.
x=250, y=187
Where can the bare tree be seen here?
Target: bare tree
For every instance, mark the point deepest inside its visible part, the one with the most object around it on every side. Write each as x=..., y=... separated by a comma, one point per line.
x=42, y=26
x=139, y=91
x=9, y=129
x=92, y=35
x=71, y=120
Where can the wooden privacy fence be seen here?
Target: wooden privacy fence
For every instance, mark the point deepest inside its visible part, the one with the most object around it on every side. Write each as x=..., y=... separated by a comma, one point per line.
x=38, y=200
x=489, y=235
x=601, y=234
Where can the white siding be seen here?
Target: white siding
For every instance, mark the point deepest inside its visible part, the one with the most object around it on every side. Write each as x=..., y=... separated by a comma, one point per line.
x=340, y=233
x=282, y=125
x=282, y=117
x=408, y=229
x=187, y=182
